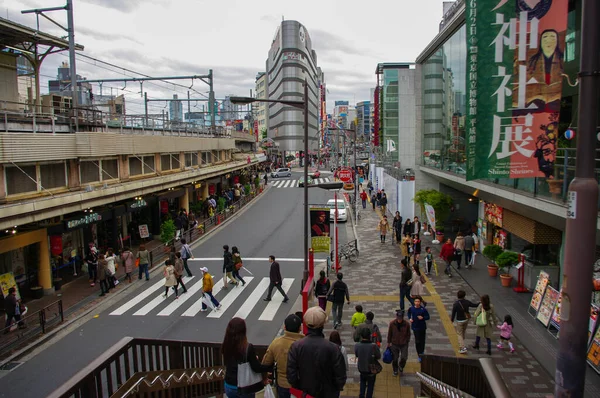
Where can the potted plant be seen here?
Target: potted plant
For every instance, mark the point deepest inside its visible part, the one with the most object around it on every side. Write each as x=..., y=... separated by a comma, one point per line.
x=439, y=234
x=167, y=233
x=440, y=202
x=492, y=252
x=505, y=260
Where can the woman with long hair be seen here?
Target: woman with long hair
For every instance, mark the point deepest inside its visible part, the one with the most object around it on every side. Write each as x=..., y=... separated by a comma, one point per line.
x=237, y=264
x=335, y=337
x=484, y=317
x=418, y=279
x=322, y=286
x=237, y=351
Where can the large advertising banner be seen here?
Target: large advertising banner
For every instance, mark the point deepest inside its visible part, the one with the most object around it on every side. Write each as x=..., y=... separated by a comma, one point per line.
x=515, y=56
x=430, y=212
x=319, y=229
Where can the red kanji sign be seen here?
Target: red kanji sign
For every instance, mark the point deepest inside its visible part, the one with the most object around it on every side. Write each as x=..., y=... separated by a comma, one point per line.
x=345, y=175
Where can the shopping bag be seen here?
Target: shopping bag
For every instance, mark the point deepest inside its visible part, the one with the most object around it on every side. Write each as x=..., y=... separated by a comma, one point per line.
x=206, y=300
x=388, y=356
x=481, y=318
x=137, y=262
x=268, y=393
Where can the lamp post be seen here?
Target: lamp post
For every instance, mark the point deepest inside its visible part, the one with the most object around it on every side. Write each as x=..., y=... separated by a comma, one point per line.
x=304, y=106
x=346, y=162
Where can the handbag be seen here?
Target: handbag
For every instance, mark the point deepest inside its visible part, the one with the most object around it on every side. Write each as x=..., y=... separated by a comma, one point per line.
x=423, y=280
x=467, y=314
x=137, y=262
x=388, y=356
x=410, y=282
x=248, y=380
x=268, y=393
x=239, y=266
x=481, y=318
x=374, y=366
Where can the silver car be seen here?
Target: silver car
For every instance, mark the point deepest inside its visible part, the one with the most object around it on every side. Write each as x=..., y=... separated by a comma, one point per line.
x=284, y=172
x=341, y=207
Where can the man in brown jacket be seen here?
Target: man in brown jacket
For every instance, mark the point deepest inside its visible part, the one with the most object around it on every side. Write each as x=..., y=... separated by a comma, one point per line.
x=179, y=267
x=278, y=350
x=398, y=339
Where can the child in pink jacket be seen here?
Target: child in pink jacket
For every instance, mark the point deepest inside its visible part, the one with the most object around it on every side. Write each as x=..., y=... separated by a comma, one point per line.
x=505, y=333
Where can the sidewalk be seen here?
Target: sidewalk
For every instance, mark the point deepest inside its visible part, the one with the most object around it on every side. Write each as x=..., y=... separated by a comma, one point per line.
x=373, y=283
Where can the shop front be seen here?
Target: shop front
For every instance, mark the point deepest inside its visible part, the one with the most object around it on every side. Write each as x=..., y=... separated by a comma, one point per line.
x=171, y=202
x=139, y=222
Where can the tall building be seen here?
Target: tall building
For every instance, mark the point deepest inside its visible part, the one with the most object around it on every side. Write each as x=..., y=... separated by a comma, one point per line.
x=176, y=109
x=363, y=126
x=340, y=114
x=62, y=86
x=229, y=110
x=259, y=109
x=292, y=61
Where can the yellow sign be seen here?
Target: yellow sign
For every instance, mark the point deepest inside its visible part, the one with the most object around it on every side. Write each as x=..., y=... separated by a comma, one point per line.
x=6, y=282
x=319, y=231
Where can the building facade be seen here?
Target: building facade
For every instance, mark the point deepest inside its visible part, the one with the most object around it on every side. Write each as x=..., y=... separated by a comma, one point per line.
x=291, y=62
x=259, y=109
x=175, y=109
x=363, y=124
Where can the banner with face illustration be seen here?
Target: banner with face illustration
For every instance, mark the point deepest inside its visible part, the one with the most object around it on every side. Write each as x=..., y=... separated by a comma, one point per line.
x=515, y=56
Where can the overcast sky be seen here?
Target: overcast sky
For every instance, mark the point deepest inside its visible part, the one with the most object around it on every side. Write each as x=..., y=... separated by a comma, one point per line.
x=233, y=37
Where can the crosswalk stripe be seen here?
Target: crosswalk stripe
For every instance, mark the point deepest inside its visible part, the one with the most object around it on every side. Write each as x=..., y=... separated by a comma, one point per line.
x=251, y=301
x=276, y=184
x=230, y=298
x=168, y=310
x=138, y=299
x=287, y=182
x=154, y=302
x=293, y=184
x=269, y=312
x=197, y=306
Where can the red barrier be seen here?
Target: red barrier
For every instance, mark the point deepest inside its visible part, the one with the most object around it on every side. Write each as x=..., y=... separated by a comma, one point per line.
x=311, y=263
x=520, y=288
x=305, y=293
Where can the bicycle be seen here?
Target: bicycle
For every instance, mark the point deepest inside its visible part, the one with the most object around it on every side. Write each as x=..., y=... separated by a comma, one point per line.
x=348, y=251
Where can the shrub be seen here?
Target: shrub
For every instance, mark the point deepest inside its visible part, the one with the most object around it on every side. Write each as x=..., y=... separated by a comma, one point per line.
x=221, y=204
x=167, y=231
x=440, y=202
x=507, y=259
x=492, y=252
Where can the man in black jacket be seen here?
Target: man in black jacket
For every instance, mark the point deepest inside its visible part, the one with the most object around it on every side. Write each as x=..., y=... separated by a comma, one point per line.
x=276, y=279
x=315, y=365
x=228, y=267
x=460, y=314
x=405, y=277
x=339, y=291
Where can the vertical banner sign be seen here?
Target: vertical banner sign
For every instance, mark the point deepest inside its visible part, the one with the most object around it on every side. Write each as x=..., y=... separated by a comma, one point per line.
x=319, y=229
x=430, y=211
x=515, y=55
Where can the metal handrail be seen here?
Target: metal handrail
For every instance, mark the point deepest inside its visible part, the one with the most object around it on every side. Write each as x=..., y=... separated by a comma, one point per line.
x=434, y=386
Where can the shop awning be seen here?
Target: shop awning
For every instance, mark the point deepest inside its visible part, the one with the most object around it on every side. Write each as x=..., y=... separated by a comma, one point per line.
x=530, y=230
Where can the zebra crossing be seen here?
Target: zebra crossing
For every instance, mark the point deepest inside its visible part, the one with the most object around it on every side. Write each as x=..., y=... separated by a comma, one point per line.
x=240, y=301
x=294, y=183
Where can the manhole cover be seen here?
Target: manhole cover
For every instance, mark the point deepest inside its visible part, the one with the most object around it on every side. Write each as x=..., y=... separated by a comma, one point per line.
x=10, y=365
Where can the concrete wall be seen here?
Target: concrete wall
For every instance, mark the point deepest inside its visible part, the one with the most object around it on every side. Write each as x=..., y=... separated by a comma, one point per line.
x=9, y=87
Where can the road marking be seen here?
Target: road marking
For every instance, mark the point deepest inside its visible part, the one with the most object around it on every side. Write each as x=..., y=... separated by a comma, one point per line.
x=197, y=306
x=230, y=298
x=251, y=301
x=138, y=299
x=155, y=302
x=269, y=312
x=168, y=310
x=248, y=259
x=287, y=183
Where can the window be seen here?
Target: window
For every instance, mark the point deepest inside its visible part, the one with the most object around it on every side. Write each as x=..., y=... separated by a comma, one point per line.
x=149, y=167
x=89, y=171
x=206, y=158
x=17, y=182
x=215, y=156
x=135, y=166
x=110, y=169
x=191, y=159
x=165, y=162
x=53, y=175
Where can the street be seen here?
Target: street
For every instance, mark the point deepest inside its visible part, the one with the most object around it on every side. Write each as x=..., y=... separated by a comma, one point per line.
x=271, y=226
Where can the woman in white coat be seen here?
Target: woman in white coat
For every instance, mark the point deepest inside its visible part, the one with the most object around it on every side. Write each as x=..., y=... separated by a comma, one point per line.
x=170, y=279
x=418, y=288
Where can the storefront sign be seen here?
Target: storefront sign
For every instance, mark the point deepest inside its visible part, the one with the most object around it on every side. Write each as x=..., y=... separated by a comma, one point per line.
x=540, y=287
x=138, y=204
x=500, y=238
x=547, y=305
x=86, y=219
x=593, y=321
x=319, y=230
x=144, y=233
x=6, y=282
x=56, y=245
x=515, y=56
x=555, y=319
x=493, y=214
x=593, y=357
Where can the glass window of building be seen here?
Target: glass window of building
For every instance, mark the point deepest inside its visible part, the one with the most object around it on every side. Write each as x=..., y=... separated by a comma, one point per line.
x=17, y=180
x=53, y=175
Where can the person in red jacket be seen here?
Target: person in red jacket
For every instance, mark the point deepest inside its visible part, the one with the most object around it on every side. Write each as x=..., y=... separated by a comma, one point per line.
x=363, y=197
x=447, y=254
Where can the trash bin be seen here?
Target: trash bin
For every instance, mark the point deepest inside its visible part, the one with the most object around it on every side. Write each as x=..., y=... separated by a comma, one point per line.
x=58, y=283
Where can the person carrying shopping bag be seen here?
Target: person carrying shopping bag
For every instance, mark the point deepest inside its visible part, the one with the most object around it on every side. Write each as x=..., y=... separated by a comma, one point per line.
x=484, y=317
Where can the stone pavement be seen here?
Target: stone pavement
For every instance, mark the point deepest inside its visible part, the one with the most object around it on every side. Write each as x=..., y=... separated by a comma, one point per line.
x=373, y=283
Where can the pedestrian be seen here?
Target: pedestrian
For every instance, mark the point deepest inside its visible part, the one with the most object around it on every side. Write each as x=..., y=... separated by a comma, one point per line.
x=398, y=338
x=103, y=274
x=278, y=350
x=178, y=266
x=383, y=203
x=417, y=288
x=237, y=264
x=266, y=179
x=128, y=262
x=236, y=350
x=459, y=246
x=416, y=227
x=428, y=260
x=405, y=283
x=170, y=278
x=383, y=228
x=335, y=338
x=366, y=354
x=373, y=330
x=505, y=333
x=469, y=246
x=12, y=307
x=379, y=198
x=407, y=229
x=484, y=317
x=186, y=254
x=92, y=263
x=358, y=317
x=418, y=317
x=316, y=366
x=228, y=267
x=405, y=247
x=276, y=280
x=397, y=226
x=144, y=256
x=447, y=254
x=460, y=314
x=173, y=255
x=110, y=268
x=370, y=187
x=336, y=294
x=207, y=289
x=416, y=242
x=374, y=200
x=322, y=286
x=363, y=198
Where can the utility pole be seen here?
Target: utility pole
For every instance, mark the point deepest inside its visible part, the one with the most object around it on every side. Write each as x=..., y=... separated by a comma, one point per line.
x=211, y=100
x=72, y=67
x=146, y=107
x=582, y=209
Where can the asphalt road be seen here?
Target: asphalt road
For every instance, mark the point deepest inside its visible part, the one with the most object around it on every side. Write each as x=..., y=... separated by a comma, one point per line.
x=273, y=225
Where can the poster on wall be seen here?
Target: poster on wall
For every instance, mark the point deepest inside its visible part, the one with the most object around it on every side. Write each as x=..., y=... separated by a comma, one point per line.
x=319, y=229
x=493, y=214
x=593, y=356
x=500, y=238
x=144, y=232
x=515, y=58
x=6, y=282
x=547, y=306
x=540, y=287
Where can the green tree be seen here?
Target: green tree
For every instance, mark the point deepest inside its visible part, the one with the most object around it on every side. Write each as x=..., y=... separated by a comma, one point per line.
x=167, y=231
x=440, y=202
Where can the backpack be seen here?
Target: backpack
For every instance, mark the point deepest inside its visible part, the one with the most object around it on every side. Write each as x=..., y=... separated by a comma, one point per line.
x=374, y=337
x=481, y=318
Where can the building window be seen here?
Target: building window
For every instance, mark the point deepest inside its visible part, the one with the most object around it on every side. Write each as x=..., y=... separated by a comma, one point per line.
x=17, y=182
x=135, y=166
x=89, y=171
x=165, y=162
x=110, y=169
x=191, y=159
x=215, y=156
x=206, y=158
x=53, y=175
x=141, y=165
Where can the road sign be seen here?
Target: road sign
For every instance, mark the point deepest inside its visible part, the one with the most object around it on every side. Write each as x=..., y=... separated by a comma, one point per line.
x=345, y=174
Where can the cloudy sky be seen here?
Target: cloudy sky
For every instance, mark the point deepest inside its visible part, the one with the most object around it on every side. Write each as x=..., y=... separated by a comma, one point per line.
x=187, y=37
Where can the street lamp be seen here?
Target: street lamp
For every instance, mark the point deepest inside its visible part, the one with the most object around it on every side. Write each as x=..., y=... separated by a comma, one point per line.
x=304, y=106
x=355, y=168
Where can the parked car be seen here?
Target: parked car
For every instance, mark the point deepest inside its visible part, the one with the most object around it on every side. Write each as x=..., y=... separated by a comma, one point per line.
x=341, y=207
x=314, y=173
x=283, y=172
x=301, y=181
